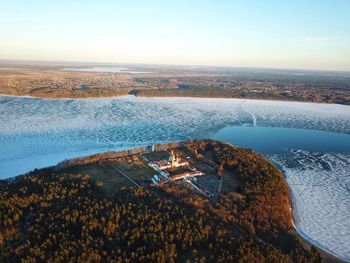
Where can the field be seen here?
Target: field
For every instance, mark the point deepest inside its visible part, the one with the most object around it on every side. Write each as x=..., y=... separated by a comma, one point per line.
x=110, y=176
x=111, y=180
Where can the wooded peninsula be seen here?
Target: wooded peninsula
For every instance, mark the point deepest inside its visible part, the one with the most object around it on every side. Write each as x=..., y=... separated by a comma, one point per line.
x=109, y=208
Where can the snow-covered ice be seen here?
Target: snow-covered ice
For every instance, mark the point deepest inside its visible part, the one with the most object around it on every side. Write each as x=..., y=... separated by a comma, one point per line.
x=36, y=133
x=320, y=189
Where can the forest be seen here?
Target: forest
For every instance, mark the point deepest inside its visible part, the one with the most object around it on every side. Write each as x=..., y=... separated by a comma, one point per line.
x=48, y=216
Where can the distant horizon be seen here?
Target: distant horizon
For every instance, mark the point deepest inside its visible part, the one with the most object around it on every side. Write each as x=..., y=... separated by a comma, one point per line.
x=310, y=35
x=76, y=63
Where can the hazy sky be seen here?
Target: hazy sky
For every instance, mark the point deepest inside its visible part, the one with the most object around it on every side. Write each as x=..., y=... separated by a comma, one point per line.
x=256, y=33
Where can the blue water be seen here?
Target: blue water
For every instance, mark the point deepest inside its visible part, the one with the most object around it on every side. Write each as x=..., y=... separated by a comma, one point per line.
x=269, y=140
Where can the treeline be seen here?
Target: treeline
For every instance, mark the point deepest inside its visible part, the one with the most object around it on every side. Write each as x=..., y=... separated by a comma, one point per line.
x=189, y=91
x=84, y=92
x=213, y=92
x=99, y=157
x=110, y=155
x=305, y=94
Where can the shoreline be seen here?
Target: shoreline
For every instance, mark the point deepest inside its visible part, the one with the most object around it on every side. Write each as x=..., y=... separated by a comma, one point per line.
x=169, y=97
x=307, y=239
x=326, y=254
x=67, y=98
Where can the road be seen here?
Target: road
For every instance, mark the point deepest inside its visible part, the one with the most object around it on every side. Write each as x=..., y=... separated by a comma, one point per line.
x=124, y=174
x=220, y=184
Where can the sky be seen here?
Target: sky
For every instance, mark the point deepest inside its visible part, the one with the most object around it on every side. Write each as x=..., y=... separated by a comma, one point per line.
x=305, y=34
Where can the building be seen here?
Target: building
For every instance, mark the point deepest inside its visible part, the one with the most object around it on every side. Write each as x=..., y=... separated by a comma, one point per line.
x=186, y=175
x=176, y=161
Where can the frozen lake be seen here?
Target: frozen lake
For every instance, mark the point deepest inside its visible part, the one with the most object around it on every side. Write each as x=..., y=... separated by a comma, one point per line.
x=318, y=174
x=105, y=69
x=36, y=133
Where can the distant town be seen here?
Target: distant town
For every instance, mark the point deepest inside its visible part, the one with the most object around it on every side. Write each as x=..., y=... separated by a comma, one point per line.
x=160, y=81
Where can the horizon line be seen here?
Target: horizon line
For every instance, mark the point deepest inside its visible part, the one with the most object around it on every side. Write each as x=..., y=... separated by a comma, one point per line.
x=173, y=65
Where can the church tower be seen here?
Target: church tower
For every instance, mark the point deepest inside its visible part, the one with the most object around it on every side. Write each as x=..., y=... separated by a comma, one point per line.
x=173, y=159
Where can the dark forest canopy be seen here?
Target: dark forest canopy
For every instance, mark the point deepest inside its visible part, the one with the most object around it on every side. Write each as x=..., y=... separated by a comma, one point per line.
x=50, y=216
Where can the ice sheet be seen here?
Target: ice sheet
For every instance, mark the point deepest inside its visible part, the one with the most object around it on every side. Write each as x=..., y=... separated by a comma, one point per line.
x=320, y=189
